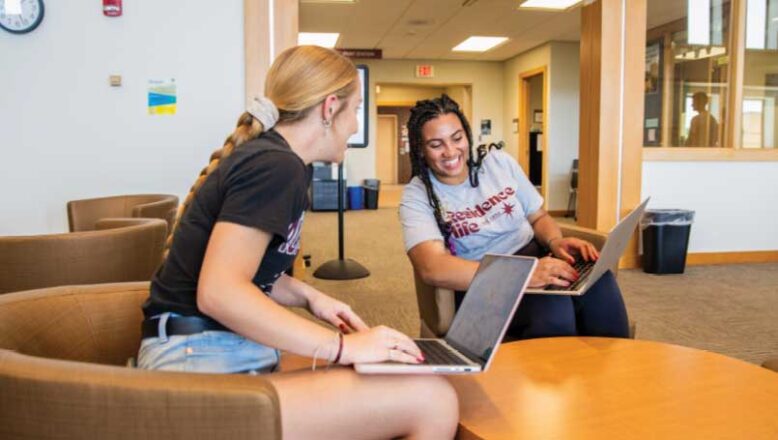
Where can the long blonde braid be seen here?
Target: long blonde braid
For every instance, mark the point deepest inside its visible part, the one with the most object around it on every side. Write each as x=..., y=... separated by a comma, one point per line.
x=248, y=128
x=299, y=79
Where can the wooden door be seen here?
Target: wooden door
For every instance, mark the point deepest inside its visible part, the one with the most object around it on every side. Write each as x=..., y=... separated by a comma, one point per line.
x=386, y=150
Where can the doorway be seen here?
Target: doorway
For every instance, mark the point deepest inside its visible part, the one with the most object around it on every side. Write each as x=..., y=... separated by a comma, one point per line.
x=533, y=134
x=394, y=103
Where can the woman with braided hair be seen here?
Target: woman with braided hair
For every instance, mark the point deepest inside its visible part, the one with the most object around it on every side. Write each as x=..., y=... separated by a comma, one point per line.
x=218, y=304
x=456, y=209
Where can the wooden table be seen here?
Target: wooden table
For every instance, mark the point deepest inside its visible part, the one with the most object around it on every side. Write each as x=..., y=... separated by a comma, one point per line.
x=599, y=388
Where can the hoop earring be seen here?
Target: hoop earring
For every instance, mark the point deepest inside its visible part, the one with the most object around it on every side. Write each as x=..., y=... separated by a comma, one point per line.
x=327, y=123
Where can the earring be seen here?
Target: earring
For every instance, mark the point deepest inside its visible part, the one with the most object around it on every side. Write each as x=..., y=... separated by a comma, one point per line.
x=327, y=123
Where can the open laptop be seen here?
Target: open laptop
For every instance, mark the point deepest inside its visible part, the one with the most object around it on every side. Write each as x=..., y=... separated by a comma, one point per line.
x=479, y=325
x=591, y=271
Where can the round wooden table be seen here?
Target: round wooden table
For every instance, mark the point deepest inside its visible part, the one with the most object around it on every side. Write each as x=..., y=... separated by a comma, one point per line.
x=601, y=388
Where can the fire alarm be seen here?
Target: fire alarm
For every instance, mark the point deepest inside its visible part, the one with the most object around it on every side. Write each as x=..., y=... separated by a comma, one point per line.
x=112, y=8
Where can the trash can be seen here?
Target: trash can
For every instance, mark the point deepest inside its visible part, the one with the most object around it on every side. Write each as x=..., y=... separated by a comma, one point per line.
x=355, y=197
x=372, y=189
x=665, y=234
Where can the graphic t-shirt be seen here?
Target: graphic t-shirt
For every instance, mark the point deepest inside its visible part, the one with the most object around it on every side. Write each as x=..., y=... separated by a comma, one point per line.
x=263, y=184
x=491, y=218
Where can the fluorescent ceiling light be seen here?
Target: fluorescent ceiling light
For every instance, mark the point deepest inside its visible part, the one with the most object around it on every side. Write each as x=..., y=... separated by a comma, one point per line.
x=479, y=44
x=549, y=4
x=322, y=39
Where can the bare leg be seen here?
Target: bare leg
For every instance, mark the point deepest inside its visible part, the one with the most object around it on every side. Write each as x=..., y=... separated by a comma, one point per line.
x=340, y=403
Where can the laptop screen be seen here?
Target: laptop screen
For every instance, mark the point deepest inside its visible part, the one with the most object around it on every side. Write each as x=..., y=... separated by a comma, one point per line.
x=488, y=305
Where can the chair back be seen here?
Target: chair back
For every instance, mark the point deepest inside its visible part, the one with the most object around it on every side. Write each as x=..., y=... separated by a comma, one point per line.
x=574, y=175
x=119, y=250
x=84, y=214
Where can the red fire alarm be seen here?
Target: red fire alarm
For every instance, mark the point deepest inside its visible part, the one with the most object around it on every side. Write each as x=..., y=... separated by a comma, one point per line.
x=112, y=8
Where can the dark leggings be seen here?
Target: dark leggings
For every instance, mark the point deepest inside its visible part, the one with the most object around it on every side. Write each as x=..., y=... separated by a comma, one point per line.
x=599, y=312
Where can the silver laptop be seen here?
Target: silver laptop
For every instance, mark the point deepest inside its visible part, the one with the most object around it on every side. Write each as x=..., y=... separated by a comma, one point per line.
x=479, y=325
x=591, y=271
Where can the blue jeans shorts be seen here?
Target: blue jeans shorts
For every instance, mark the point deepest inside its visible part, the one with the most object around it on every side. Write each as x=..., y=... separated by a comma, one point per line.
x=205, y=352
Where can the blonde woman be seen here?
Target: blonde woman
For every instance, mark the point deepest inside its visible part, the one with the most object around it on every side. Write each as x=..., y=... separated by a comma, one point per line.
x=218, y=303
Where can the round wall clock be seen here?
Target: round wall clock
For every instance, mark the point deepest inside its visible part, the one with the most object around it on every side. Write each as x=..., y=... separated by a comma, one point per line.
x=20, y=16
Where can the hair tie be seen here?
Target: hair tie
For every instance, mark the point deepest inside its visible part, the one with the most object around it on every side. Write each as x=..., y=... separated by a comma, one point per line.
x=263, y=110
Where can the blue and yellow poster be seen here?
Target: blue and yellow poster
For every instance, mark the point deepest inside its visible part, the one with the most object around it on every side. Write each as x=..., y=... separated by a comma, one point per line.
x=162, y=97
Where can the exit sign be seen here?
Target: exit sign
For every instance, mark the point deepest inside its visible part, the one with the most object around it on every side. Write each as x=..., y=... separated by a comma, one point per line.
x=425, y=71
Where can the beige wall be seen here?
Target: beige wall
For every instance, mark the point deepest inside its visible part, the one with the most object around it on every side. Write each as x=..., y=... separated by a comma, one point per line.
x=393, y=94
x=561, y=139
x=532, y=59
x=486, y=79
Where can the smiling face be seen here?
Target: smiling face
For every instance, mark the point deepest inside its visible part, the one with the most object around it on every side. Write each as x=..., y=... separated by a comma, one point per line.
x=446, y=148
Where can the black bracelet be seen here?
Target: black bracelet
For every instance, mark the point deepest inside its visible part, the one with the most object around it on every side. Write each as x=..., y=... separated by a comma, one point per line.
x=340, y=348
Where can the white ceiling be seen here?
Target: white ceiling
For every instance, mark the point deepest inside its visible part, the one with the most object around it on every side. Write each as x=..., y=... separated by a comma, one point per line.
x=428, y=29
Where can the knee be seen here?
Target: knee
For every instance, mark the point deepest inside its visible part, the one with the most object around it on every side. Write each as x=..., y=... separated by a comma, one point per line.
x=438, y=415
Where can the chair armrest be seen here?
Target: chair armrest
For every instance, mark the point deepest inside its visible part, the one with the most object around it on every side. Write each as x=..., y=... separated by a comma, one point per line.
x=436, y=308
x=593, y=236
x=45, y=398
x=771, y=364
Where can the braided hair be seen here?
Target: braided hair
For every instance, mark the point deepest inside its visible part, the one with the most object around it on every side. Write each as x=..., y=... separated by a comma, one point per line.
x=423, y=112
x=324, y=72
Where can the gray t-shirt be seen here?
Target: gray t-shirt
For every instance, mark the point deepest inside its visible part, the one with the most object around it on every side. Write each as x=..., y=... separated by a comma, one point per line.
x=491, y=218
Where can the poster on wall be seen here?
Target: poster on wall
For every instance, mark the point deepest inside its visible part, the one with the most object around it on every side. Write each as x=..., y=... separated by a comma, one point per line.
x=652, y=112
x=360, y=138
x=162, y=97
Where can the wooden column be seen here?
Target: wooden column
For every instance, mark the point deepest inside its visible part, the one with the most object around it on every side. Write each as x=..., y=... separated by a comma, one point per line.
x=266, y=23
x=257, y=29
x=613, y=43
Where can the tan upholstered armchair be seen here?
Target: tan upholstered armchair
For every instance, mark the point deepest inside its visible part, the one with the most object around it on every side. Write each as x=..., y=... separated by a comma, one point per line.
x=118, y=250
x=62, y=375
x=84, y=214
x=436, y=305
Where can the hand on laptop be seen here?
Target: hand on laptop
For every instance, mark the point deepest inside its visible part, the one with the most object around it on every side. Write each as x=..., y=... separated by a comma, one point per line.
x=379, y=344
x=551, y=270
x=566, y=248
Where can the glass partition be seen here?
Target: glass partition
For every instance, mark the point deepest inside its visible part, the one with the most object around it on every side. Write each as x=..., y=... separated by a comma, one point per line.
x=687, y=66
x=760, y=75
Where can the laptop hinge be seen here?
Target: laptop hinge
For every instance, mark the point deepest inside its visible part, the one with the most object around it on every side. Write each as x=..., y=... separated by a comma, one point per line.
x=465, y=352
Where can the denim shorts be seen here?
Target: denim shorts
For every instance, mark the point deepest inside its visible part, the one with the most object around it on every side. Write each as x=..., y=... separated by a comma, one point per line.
x=205, y=352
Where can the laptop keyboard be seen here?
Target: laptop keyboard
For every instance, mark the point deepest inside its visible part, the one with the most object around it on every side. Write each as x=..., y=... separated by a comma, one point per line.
x=583, y=268
x=436, y=353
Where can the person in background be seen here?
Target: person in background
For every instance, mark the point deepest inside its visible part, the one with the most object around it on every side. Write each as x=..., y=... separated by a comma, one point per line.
x=704, y=129
x=457, y=208
x=218, y=304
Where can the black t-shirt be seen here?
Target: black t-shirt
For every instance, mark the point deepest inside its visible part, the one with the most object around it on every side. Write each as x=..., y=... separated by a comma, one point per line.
x=262, y=184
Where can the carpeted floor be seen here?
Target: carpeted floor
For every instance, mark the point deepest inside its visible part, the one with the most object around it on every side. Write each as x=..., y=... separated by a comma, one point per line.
x=729, y=309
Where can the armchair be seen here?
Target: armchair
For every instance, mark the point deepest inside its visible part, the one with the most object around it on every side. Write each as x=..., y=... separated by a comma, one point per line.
x=62, y=374
x=118, y=250
x=84, y=214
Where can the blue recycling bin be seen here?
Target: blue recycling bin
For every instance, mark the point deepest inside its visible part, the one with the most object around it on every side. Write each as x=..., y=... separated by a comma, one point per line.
x=356, y=197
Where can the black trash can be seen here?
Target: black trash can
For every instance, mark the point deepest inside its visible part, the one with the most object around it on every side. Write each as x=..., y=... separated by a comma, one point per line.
x=665, y=234
x=372, y=189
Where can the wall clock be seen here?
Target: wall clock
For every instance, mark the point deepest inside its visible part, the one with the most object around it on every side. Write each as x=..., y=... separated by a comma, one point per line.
x=20, y=16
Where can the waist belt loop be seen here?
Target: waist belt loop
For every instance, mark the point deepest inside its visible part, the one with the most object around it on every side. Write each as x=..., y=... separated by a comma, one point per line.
x=162, y=327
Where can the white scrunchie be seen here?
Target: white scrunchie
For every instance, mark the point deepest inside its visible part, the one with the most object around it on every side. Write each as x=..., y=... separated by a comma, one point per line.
x=264, y=111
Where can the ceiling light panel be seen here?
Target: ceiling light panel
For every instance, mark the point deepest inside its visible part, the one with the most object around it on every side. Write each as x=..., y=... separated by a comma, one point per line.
x=318, y=39
x=479, y=44
x=557, y=5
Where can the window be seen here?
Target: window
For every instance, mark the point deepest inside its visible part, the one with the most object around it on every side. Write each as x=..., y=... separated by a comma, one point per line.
x=760, y=75
x=687, y=68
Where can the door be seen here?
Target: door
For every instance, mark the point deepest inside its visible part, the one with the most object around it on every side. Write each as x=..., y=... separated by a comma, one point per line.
x=386, y=150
